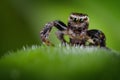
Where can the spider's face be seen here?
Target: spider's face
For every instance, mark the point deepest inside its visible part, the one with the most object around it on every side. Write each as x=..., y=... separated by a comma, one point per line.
x=78, y=22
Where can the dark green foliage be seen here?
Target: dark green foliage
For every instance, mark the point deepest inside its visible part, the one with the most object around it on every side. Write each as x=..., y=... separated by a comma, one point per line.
x=60, y=63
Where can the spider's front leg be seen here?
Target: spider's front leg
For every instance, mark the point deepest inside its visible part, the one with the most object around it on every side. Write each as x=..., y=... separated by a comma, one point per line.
x=44, y=34
x=97, y=37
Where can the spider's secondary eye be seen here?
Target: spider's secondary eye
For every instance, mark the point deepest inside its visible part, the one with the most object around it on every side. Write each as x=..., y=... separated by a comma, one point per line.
x=71, y=17
x=85, y=19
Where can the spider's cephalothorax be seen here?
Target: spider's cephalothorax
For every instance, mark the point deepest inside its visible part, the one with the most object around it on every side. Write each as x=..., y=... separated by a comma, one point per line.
x=77, y=30
x=78, y=22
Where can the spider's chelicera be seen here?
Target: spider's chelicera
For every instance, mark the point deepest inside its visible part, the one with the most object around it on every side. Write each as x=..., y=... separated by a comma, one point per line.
x=77, y=30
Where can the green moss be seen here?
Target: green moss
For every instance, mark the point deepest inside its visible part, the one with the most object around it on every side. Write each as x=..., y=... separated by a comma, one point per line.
x=60, y=63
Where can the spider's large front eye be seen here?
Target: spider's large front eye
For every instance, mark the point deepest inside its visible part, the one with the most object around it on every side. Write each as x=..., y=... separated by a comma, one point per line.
x=75, y=19
x=81, y=20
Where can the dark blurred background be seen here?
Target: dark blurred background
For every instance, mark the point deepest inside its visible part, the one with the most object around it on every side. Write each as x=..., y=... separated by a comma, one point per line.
x=21, y=20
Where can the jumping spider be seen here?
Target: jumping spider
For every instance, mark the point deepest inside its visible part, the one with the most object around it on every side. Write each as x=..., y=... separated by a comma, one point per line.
x=77, y=30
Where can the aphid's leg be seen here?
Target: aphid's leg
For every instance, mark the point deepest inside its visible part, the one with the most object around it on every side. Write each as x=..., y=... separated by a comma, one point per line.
x=97, y=37
x=44, y=34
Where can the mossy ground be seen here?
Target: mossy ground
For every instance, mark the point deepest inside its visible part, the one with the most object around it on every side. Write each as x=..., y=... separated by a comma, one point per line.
x=60, y=63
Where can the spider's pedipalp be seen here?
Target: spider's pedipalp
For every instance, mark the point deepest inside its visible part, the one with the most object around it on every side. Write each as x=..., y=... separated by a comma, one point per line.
x=60, y=36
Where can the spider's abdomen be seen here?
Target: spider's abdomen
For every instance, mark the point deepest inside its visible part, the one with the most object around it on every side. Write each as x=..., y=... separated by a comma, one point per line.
x=98, y=37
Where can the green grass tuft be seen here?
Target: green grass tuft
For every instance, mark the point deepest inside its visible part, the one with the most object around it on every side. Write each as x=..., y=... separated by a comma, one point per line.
x=60, y=63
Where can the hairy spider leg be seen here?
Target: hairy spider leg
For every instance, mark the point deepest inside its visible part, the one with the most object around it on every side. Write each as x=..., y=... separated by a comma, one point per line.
x=44, y=34
x=98, y=37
